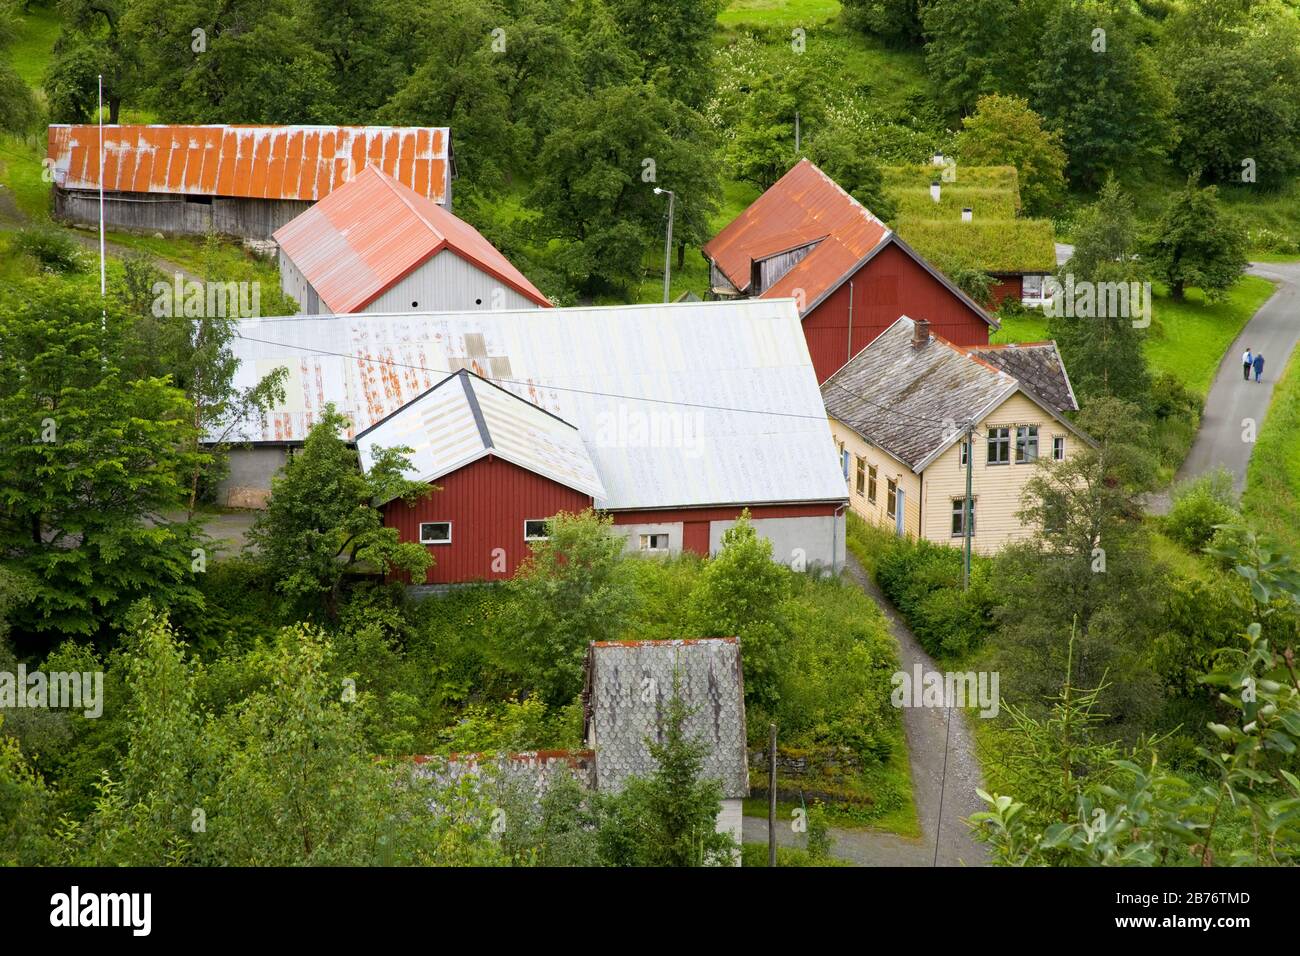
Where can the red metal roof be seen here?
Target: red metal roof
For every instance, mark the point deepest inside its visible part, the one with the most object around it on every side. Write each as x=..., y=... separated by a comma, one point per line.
x=257, y=162
x=362, y=238
x=803, y=206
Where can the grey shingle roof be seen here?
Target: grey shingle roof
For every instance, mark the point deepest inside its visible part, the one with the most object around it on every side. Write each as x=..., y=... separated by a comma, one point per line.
x=1038, y=366
x=628, y=691
x=911, y=401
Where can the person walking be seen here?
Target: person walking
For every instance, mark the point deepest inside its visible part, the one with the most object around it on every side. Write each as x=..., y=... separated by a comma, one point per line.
x=1246, y=362
x=1259, y=367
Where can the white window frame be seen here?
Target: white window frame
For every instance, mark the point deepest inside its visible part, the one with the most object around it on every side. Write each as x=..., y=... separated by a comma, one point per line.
x=425, y=524
x=1058, y=448
x=544, y=536
x=646, y=542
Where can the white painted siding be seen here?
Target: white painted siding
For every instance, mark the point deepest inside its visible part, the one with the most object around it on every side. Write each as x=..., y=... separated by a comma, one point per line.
x=448, y=283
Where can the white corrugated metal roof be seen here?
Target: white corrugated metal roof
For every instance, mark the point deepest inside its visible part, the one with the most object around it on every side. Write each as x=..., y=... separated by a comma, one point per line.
x=463, y=418
x=693, y=403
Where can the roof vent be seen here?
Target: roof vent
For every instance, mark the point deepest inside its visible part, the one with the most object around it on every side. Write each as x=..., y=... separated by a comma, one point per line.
x=934, y=189
x=920, y=333
x=967, y=214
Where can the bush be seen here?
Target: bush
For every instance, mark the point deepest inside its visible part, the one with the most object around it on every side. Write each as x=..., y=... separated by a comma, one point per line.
x=1198, y=506
x=924, y=582
x=51, y=247
x=1170, y=398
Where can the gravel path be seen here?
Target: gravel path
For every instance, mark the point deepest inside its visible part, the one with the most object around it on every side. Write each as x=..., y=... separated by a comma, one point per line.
x=927, y=731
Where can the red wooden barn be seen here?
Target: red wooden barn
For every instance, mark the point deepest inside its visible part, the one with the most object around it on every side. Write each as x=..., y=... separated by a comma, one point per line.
x=849, y=273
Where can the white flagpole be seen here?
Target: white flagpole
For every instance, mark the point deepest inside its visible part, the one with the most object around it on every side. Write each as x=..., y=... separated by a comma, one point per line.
x=103, y=282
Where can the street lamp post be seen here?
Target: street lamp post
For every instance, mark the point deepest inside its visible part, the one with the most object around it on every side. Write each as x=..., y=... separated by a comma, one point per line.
x=668, y=240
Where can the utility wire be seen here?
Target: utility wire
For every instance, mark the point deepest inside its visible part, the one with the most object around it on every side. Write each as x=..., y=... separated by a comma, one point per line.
x=593, y=392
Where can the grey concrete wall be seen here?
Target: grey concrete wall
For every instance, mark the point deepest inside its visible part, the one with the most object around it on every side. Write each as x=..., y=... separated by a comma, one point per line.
x=801, y=543
x=633, y=534
x=248, y=484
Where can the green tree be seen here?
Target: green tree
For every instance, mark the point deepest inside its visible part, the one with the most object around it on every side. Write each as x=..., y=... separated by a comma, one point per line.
x=1196, y=242
x=1004, y=131
x=93, y=41
x=18, y=110
x=674, y=41
x=1100, y=90
x=571, y=591
x=1088, y=569
x=596, y=177
x=856, y=172
x=969, y=49
x=1103, y=352
x=739, y=594
x=1237, y=118
x=897, y=22
x=761, y=149
x=321, y=521
x=92, y=465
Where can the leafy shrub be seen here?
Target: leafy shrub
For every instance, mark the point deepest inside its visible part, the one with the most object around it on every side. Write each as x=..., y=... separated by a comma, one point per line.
x=1198, y=506
x=1170, y=398
x=924, y=582
x=54, y=249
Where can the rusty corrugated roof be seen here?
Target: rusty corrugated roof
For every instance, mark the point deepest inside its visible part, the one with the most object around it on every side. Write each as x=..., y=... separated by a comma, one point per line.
x=368, y=234
x=803, y=206
x=254, y=162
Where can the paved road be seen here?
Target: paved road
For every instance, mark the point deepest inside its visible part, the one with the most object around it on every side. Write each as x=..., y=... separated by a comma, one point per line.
x=929, y=735
x=1273, y=332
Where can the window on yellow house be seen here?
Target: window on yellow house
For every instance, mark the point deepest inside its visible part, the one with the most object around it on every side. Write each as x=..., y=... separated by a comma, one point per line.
x=891, y=497
x=871, y=483
x=862, y=475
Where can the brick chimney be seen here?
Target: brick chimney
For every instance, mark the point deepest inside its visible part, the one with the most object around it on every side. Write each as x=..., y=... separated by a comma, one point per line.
x=920, y=333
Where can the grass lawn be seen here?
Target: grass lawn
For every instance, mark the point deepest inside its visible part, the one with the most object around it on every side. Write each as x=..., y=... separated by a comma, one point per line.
x=1272, y=497
x=1187, y=339
x=768, y=13
x=20, y=172
x=35, y=44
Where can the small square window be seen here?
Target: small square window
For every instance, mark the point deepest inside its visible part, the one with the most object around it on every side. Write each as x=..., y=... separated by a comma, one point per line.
x=1058, y=447
x=959, y=517
x=536, y=530
x=435, y=532
x=654, y=542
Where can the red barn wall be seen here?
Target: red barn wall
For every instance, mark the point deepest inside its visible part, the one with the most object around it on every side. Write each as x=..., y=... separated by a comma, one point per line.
x=890, y=285
x=1006, y=287
x=487, y=503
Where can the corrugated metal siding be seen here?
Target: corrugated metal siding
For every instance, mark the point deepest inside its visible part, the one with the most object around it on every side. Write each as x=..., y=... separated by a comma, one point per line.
x=176, y=215
x=487, y=502
x=890, y=285
x=255, y=162
x=447, y=283
x=367, y=235
x=737, y=373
